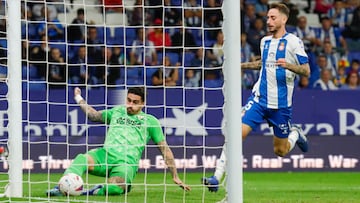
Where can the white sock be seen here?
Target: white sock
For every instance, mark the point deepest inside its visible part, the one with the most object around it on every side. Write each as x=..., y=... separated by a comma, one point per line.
x=220, y=165
x=292, y=138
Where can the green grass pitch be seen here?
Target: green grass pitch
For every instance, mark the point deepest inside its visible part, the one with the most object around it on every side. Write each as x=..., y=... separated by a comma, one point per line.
x=259, y=187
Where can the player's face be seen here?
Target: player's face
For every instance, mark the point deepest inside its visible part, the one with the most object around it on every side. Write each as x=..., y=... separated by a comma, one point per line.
x=134, y=104
x=275, y=20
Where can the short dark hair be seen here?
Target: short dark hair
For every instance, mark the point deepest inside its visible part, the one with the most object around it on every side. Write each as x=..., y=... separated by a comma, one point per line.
x=140, y=91
x=80, y=11
x=281, y=7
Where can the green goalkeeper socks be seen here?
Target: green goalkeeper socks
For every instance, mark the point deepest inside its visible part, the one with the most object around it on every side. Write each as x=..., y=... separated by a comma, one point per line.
x=78, y=166
x=110, y=190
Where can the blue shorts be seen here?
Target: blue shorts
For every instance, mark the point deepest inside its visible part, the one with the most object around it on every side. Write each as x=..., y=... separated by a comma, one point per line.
x=279, y=119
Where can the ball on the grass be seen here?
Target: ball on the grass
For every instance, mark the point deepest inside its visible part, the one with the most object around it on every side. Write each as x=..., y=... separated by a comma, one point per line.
x=71, y=184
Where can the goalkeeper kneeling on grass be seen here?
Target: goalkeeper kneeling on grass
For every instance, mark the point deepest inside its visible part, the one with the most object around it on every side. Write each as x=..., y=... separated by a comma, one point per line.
x=129, y=131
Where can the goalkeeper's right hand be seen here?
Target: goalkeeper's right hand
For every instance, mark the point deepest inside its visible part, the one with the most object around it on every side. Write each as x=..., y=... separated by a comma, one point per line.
x=212, y=183
x=77, y=95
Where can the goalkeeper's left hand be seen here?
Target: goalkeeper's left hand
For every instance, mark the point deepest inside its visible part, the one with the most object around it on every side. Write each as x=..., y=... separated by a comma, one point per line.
x=181, y=184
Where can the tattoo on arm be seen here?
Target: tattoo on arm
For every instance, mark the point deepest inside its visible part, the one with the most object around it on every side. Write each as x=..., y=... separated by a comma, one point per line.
x=252, y=65
x=91, y=113
x=168, y=157
x=303, y=69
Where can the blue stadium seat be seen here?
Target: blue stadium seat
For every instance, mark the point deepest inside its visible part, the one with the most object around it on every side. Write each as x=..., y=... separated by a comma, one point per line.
x=174, y=57
x=135, y=76
x=30, y=72
x=119, y=36
x=101, y=34
x=176, y=2
x=213, y=83
x=34, y=86
x=149, y=73
x=188, y=56
x=353, y=55
x=130, y=34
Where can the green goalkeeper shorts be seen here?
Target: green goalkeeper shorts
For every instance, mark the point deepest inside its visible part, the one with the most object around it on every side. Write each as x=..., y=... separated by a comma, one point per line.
x=108, y=166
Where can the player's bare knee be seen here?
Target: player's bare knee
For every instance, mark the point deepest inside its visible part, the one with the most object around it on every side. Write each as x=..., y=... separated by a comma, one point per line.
x=119, y=181
x=280, y=151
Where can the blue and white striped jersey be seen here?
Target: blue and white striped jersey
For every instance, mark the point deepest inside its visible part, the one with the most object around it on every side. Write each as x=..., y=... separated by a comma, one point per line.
x=275, y=85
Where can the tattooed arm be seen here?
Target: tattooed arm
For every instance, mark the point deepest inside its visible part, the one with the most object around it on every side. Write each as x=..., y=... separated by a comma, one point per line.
x=170, y=163
x=251, y=65
x=91, y=113
x=303, y=69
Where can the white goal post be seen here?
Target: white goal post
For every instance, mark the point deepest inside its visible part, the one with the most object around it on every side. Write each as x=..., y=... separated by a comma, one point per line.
x=15, y=158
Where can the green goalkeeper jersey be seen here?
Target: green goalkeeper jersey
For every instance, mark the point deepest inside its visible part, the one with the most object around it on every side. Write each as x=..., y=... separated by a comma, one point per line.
x=128, y=135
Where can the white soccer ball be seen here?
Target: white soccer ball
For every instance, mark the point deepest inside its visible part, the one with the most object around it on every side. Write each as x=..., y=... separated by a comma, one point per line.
x=71, y=184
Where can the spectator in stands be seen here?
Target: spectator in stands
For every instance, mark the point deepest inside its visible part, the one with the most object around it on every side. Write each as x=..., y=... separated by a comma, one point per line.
x=254, y=35
x=159, y=37
x=51, y=27
x=192, y=13
x=154, y=10
x=192, y=78
x=353, y=30
x=325, y=82
x=119, y=56
x=215, y=55
x=168, y=75
x=94, y=45
x=321, y=63
x=79, y=73
x=38, y=57
x=77, y=30
x=109, y=71
x=261, y=8
x=57, y=69
x=305, y=33
x=182, y=38
x=197, y=61
x=322, y=7
x=294, y=12
x=354, y=66
x=303, y=83
x=340, y=78
x=249, y=17
x=352, y=81
x=173, y=15
x=37, y=10
x=327, y=33
x=332, y=57
x=213, y=17
x=338, y=15
x=112, y=5
x=139, y=52
x=137, y=14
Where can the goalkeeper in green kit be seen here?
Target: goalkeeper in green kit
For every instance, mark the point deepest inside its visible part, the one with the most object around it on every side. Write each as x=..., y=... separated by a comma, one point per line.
x=129, y=131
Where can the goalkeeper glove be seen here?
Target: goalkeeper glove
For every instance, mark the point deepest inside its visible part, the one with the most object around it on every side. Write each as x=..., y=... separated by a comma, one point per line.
x=212, y=183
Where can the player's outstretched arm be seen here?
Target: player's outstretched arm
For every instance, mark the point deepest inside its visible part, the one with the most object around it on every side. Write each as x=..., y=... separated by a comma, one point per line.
x=251, y=65
x=170, y=162
x=91, y=113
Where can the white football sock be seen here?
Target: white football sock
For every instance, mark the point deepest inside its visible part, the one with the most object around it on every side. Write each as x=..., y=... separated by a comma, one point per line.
x=292, y=138
x=220, y=165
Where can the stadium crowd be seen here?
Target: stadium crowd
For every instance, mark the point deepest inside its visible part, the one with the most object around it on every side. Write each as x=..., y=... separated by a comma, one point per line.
x=177, y=42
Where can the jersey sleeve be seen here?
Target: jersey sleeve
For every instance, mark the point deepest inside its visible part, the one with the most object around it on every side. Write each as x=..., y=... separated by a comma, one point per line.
x=106, y=115
x=155, y=130
x=299, y=51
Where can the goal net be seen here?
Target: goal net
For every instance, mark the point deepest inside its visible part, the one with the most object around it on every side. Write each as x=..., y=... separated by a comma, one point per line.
x=172, y=47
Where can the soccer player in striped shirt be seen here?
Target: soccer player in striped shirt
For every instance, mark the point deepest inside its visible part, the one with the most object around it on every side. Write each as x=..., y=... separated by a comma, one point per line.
x=282, y=57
